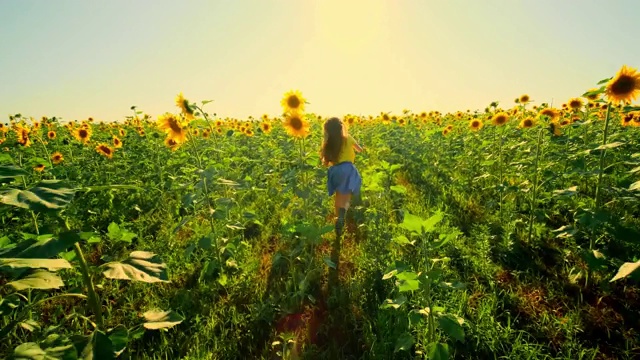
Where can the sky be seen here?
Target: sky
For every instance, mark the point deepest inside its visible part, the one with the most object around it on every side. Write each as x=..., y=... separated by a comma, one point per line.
x=77, y=59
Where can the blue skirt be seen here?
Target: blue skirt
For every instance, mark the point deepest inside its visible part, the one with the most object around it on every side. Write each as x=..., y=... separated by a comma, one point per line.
x=343, y=178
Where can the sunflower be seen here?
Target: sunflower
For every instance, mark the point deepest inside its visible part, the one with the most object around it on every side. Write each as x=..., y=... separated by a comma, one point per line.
x=122, y=132
x=554, y=127
x=551, y=113
x=141, y=132
x=475, y=124
x=104, y=150
x=627, y=119
x=527, y=123
x=524, y=99
x=592, y=97
x=171, y=125
x=116, y=142
x=446, y=131
x=293, y=102
x=82, y=134
x=500, y=118
x=195, y=132
x=206, y=134
x=249, y=132
x=23, y=136
x=625, y=86
x=350, y=120
x=385, y=118
x=296, y=125
x=402, y=121
x=183, y=105
x=39, y=168
x=57, y=157
x=266, y=127
x=575, y=104
x=51, y=135
x=219, y=130
x=218, y=123
x=171, y=144
x=265, y=117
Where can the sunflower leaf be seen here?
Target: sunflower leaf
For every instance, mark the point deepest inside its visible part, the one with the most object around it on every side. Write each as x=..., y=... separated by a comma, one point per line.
x=49, y=264
x=39, y=279
x=46, y=196
x=139, y=266
x=625, y=270
x=156, y=320
x=11, y=171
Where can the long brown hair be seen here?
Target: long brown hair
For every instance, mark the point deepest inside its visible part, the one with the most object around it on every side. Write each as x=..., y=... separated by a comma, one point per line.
x=334, y=134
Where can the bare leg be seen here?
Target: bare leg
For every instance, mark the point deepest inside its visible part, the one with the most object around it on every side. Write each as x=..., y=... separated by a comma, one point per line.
x=341, y=206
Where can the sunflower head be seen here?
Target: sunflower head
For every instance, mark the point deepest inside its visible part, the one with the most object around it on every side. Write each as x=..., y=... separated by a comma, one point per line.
x=527, y=123
x=82, y=134
x=174, y=129
x=104, y=150
x=266, y=127
x=500, y=118
x=575, y=104
x=293, y=101
x=39, y=168
x=206, y=134
x=476, y=124
x=624, y=87
x=524, y=99
x=551, y=113
x=117, y=143
x=185, y=108
x=51, y=134
x=296, y=125
x=57, y=158
x=171, y=144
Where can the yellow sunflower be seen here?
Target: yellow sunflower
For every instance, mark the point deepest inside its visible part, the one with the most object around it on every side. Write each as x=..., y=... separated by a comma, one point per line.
x=39, y=168
x=625, y=86
x=51, y=135
x=183, y=105
x=170, y=124
x=57, y=158
x=266, y=127
x=527, y=123
x=23, y=136
x=82, y=134
x=500, y=118
x=122, y=132
x=551, y=113
x=171, y=144
x=293, y=102
x=116, y=142
x=296, y=125
x=524, y=99
x=206, y=134
x=104, y=150
x=475, y=124
x=249, y=132
x=593, y=97
x=575, y=104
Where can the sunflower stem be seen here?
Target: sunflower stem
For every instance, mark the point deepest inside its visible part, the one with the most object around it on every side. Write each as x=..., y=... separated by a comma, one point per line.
x=93, y=297
x=535, y=186
x=598, y=195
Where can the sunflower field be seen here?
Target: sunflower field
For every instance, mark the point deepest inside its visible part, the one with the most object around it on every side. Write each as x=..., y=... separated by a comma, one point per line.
x=512, y=232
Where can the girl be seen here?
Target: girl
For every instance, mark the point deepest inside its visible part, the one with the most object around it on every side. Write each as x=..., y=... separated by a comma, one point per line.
x=343, y=179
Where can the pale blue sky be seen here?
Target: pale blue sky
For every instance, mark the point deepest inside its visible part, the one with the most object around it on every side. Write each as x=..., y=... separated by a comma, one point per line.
x=77, y=59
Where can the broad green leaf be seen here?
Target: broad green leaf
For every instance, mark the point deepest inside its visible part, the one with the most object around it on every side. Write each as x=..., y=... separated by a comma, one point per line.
x=390, y=274
x=609, y=146
x=139, y=266
x=30, y=325
x=452, y=325
x=412, y=223
x=402, y=240
x=54, y=347
x=635, y=186
x=404, y=343
x=566, y=192
x=161, y=319
x=38, y=279
x=99, y=347
x=11, y=171
x=408, y=285
x=438, y=351
x=113, y=231
x=119, y=337
x=46, y=196
x=395, y=303
x=45, y=248
x=49, y=264
x=625, y=270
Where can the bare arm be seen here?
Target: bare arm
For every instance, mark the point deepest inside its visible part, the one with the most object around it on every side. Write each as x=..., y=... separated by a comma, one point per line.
x=357, y=146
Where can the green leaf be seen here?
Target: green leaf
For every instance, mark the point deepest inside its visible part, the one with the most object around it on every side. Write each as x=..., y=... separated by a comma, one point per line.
x=402, y=240
x=437, y=351
x=42, y=248
x=635, y=186
x=417, y=225
x=625, y=270
x=11, y=171
x=38, y=279
x=99, y=347
x=49, y=264
x=603, y=81
x=407, y=285
x=139, y=266
x=404, y=342
x=327, y=260
x=609, y=146
x=452, y=325
x=113, y=231
x=205, y=102
x=46, y=196
x=399, y=189
x=566, y=192
x=161, y=319
x=54, y=347
x=119, y=337
x=395, y=303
